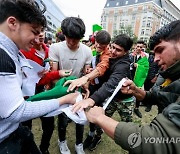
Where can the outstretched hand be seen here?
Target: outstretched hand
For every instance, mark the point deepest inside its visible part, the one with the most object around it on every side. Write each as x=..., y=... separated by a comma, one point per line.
x=79, y=106
x=128, y=87
x=93, y=114
x=76, y=83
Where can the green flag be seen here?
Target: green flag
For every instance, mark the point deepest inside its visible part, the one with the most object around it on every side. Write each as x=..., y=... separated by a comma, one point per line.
x=96, y=27
x=58, y=91
x=141, y=72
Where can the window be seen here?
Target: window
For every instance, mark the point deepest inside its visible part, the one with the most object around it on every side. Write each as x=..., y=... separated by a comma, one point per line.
x=115, y=18
x=105, y=18
x=133, y=17
x=114, y=26
x=117, y=3
x=126, y=2
x=144, y=23
x=48, y=17
x=104, y=26
x=136, y=1
x=142, y=32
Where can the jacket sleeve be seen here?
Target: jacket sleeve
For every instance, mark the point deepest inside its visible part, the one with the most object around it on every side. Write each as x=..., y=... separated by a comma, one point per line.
x=141, y=139
x=119, y=71
x=162, y=97
x=49, y=77
x=103, y=65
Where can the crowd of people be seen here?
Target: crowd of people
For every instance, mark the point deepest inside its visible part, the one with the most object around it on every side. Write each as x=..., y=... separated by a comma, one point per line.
x=93, y=68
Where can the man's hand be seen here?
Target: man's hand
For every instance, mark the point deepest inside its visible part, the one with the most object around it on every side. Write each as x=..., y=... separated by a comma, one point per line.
x=64, y=73
x=128, y=87
x=135, y=65
x=86, y=91
x=154, y=79
x=79, y=106
x=94, y=113
x=68, y=99
x=76, y=83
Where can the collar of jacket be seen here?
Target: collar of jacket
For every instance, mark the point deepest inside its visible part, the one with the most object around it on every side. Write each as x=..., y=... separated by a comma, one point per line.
x=172, y=72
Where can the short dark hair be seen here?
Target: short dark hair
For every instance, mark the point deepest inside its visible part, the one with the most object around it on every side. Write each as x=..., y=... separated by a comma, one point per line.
x=26, y=11
x=103, y=37
x=170, y=32
x=124, y=41
x=60, y=36
x=140, y=42
x=73, y=27
x=49, y=38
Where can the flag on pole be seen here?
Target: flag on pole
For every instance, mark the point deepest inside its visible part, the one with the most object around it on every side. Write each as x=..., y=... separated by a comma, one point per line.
x=96, y=27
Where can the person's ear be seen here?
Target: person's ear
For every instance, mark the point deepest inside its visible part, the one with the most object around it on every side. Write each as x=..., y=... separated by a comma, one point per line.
x=12, y=23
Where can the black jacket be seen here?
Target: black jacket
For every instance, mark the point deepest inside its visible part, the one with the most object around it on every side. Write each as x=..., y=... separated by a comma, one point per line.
x=163, y=96
x=119, y=68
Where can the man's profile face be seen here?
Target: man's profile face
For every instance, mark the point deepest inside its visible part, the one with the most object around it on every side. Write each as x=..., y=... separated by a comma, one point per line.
x=40, y=39
x=167, y=53
x=26, y=35
x=23, y=34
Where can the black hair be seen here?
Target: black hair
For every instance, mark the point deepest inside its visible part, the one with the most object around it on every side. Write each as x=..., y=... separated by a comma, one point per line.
x=103, y=37
x=49, y=38
x=26, y=11
x=170, y=32
x=73, y=27
x=124, y=41
x=140, y=42
x=60, y=37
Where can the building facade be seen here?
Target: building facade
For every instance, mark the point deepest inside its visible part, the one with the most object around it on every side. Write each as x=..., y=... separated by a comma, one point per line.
x=54, y=17
x=144, y=17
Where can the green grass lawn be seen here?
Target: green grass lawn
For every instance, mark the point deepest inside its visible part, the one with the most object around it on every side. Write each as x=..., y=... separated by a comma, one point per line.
x=107, y=145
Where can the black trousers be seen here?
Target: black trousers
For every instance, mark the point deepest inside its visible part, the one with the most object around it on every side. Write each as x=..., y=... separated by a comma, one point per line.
x=20, y=141
x=48, y=128
x=62, y=125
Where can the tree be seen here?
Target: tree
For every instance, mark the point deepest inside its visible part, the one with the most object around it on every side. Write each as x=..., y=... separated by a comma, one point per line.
x=126, y=30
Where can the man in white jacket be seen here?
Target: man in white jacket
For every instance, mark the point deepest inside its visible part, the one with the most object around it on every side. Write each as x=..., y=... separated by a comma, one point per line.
x=20, y=24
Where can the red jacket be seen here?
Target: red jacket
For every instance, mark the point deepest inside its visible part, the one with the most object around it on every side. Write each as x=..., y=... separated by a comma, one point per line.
x=33, y=55
x=49, y=77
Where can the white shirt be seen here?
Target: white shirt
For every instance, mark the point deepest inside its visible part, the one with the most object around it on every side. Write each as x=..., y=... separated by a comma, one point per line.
x=68, y=59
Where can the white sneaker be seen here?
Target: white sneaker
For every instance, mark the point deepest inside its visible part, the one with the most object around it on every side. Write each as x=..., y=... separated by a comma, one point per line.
x=79, y=149
x=63, y=147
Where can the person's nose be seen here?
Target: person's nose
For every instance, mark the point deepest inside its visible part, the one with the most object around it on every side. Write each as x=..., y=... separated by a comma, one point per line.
x=156, y=58
x=71, y=42
x=113, y=50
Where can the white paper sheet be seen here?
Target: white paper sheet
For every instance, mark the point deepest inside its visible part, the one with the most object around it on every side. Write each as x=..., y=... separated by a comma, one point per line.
x=31, y=77
x=78, y=117
x=114, y=93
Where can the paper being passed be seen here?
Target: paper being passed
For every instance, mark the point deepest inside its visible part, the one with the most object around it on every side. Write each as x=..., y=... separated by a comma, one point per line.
x=114, y=93
x=78, y=117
